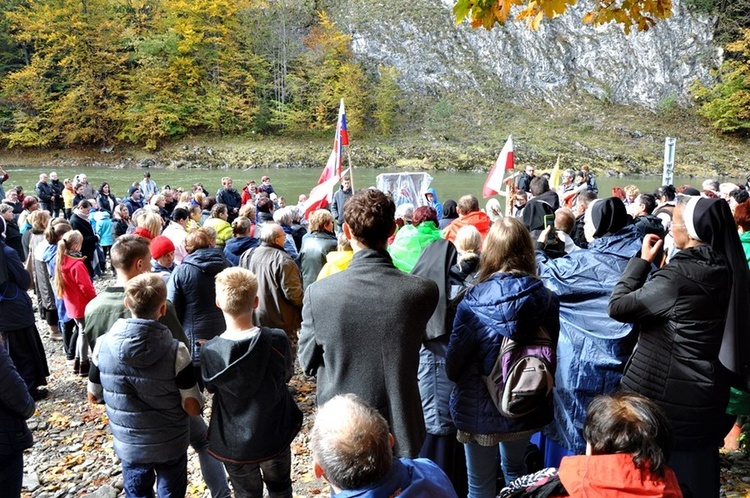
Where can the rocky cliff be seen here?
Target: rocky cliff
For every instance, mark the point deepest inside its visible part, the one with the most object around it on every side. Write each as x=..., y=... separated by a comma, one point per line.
x=562, y=58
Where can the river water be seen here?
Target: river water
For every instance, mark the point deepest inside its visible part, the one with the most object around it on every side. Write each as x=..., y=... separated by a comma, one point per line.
x=292, y=182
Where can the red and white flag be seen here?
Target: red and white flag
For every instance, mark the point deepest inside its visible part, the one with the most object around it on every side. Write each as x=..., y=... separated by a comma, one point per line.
x=321, y=195
x=494, y=183
x=336, y=159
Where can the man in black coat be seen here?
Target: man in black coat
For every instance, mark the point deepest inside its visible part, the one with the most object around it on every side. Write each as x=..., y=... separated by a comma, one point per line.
x=229, y=196
x=58, y=205
x=45, y=192
x=362, y=328
x=339, y=199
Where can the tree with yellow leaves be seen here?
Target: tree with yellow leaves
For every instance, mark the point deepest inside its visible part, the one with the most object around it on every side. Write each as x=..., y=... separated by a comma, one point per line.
x=727, y=104
x=641, y=14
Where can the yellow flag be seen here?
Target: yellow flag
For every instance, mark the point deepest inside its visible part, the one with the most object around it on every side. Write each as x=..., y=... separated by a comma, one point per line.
x=554, y=177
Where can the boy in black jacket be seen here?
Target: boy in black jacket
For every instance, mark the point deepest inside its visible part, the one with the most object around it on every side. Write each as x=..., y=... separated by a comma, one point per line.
x=254, y=417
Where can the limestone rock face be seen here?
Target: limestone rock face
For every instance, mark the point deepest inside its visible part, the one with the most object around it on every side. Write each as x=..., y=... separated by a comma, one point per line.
x=564, y=57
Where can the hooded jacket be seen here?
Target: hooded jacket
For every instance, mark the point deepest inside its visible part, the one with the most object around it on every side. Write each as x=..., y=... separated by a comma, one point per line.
x=506, y=305
x=223, y=230
x=336, y=261
x=593, y=348
x=681, y=313
x=596, y=475
x=254, y=416
x=409, y=243
x=435, y=202
x=192, y=291
x=104, y=228
x=235, y=246
x=477, y=218
x=137, y=361
x=406, y=479
x=79, y=289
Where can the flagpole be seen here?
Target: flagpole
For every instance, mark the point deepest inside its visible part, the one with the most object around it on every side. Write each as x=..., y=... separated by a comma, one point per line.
x=508, y=203
x=351, y=170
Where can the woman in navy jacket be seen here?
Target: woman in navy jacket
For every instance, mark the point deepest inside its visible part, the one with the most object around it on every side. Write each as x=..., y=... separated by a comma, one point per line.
x=509, y=301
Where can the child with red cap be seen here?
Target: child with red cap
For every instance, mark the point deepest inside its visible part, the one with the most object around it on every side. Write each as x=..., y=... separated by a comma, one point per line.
x=162, y=256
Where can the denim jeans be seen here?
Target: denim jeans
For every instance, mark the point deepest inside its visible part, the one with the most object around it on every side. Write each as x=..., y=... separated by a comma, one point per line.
x=246, y=478
x=211, y=468
x=481, y=465
x=171, y=478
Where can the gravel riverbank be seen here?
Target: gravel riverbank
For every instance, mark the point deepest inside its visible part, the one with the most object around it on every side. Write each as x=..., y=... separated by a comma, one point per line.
x=73, y=455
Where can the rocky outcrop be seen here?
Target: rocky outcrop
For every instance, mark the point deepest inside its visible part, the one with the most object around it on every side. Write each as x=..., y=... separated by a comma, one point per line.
x=562, y=58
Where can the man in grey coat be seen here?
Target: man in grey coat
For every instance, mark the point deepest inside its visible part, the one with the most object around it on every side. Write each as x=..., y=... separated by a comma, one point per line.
x=279, y=282
x=362, y=328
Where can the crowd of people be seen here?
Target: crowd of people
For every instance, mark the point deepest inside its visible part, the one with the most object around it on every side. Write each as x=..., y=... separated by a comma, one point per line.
x=630, y=308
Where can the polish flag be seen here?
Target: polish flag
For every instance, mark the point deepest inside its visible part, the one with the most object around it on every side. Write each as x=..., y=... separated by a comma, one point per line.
x=494, y=183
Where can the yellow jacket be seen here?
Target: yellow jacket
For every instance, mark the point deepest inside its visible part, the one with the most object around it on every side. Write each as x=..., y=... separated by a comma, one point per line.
x=336, y=261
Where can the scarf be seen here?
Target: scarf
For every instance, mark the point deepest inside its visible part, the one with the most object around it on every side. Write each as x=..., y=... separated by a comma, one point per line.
x=81, y=214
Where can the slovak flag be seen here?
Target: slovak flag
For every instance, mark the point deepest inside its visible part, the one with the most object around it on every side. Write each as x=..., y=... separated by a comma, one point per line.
x=336, y=159
x=494, y=183
x=321, y=195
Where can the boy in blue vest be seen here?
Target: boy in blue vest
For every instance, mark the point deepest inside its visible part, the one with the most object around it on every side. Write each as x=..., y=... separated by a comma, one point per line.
x=147, y=381
x=254, y=418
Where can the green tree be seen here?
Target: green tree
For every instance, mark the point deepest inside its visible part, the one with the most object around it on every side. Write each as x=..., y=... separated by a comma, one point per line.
x=727, y=104
x=387, y=99
x=191, y=73
x=273, y=29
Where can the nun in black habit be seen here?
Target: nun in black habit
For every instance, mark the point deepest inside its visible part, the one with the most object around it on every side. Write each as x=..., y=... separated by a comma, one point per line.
x=692, y=344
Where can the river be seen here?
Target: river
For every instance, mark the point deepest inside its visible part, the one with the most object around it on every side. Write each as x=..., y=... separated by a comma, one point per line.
x=292, y=182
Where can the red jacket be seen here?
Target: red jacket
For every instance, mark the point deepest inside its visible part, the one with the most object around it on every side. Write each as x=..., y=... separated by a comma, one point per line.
x=614, y=476
x=78, y=287
x=477, y=218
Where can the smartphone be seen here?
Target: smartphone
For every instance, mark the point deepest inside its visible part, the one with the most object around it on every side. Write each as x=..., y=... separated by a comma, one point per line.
x=549, y=221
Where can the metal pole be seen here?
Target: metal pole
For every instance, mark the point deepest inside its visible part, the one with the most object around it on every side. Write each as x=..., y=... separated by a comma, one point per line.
x=667, y=177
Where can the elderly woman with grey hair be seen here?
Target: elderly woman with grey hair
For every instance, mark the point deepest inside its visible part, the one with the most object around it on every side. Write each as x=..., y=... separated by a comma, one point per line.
x=285, y=218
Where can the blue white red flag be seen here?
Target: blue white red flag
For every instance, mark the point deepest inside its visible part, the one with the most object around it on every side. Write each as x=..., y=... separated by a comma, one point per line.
x=494, y=183
x=336, y=159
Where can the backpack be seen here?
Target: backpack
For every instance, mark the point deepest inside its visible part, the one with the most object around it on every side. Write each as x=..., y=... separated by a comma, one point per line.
x=523, y=374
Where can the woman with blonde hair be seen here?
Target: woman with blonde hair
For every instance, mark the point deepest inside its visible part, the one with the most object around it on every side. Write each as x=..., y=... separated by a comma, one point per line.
x=73, y=284
x=42, y=284
x=468, y=243
x=510, y=301
x=148, y=225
